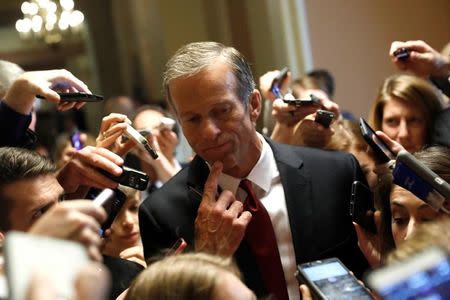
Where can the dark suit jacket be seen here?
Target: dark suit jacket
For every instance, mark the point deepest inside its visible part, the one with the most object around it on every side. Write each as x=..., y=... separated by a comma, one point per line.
x=441, y=130
x=317, y=186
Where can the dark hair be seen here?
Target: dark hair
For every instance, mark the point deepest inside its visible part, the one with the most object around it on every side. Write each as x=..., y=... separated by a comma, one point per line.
x=437, y=159
x=194, y=57
x=325, y=80
x=18, y=164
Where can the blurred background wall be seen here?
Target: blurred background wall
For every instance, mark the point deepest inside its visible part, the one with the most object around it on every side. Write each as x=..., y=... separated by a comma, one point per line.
x=125, y=44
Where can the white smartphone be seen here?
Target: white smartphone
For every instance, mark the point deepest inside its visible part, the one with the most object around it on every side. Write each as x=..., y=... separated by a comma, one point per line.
x=425, y=275
x=140, y=141
x=58, y=260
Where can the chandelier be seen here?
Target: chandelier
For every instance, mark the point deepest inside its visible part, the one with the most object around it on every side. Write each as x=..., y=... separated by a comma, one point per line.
x=49, y=21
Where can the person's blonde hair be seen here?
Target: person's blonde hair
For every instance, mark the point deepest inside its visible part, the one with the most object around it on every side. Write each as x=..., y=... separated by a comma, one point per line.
x=185, y=276
x=407, y=88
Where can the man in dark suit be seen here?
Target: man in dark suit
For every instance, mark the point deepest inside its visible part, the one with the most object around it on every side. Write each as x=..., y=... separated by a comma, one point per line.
x=240, y=179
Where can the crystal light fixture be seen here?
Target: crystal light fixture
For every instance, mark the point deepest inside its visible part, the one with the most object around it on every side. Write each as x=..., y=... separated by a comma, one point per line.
x=49, y=20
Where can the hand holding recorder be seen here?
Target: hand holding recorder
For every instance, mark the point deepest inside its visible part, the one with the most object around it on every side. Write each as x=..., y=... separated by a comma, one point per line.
x=21, y=95
x=419, y=58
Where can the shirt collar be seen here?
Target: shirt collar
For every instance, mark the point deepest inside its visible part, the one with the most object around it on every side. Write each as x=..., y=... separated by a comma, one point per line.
x=262, y=173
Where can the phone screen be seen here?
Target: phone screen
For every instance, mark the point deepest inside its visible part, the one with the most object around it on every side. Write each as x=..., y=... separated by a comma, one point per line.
x=334, y=281
x=75, y=140
x=423, y=276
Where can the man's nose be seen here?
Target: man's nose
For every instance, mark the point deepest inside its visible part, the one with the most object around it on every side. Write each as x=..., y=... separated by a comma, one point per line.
x=210, y=129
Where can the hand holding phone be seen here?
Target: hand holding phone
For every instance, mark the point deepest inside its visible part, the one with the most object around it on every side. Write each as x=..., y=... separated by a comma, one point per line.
x=324, y=117
x=402, y=54
x=330, y=279
x=382, y=152
x=362, y=206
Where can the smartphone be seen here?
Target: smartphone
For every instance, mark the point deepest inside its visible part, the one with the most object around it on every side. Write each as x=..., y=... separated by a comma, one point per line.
x=75, y=140
x=362, y=206
x=167, y=123
x=324, y=117
x=177, y=248
x=417, y=178
x=277, y=81
x=382, y=152
x=140, y=141
x=330, y=279
x=402, y=54
x=425, y=275
x=77, y=97
x=300, y=102
x=130, y=177
x=112, y=201
x=58, y=260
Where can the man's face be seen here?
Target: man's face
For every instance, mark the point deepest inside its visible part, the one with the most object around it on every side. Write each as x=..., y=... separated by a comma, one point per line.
x=30, y=198
x=214, y=120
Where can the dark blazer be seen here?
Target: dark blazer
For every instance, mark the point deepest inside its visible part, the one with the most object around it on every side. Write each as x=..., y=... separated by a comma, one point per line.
x=441, y=130
x=317, y=186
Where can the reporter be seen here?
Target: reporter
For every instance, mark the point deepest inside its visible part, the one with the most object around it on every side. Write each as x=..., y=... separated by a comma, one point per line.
x=424, y=61
x=123, y=239
x=401, y=211
x=404, y=109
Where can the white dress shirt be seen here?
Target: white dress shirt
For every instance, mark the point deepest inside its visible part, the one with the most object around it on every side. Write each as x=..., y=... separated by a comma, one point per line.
x=266, y=182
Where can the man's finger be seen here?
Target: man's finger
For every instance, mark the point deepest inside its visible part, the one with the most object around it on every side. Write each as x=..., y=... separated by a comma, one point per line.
x=210, y=190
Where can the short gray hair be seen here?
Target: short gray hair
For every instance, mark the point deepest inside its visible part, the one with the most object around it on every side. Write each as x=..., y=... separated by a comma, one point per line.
x=8, y=73
x=194, y=57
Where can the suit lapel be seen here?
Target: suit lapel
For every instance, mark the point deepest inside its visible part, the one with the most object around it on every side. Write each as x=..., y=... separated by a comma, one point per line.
x=297, y=189
x=197, y=175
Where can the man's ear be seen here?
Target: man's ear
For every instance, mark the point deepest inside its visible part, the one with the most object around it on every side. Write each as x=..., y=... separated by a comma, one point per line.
x=255, y=105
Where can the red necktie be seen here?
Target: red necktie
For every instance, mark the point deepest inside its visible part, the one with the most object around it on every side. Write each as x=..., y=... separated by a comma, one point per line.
x=263, y=244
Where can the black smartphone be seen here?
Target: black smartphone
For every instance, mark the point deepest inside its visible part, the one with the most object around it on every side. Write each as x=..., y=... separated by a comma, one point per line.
x=330, y=279
x=300, y=102
x=324, y=117
x=382, y=152
x=425, y=275
x=77, y=97
x=112, y=201
x=277, y=81
x=75, y=140
x=130, y=177
x=402, y=54
x=417, y=178
x=362, y=206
